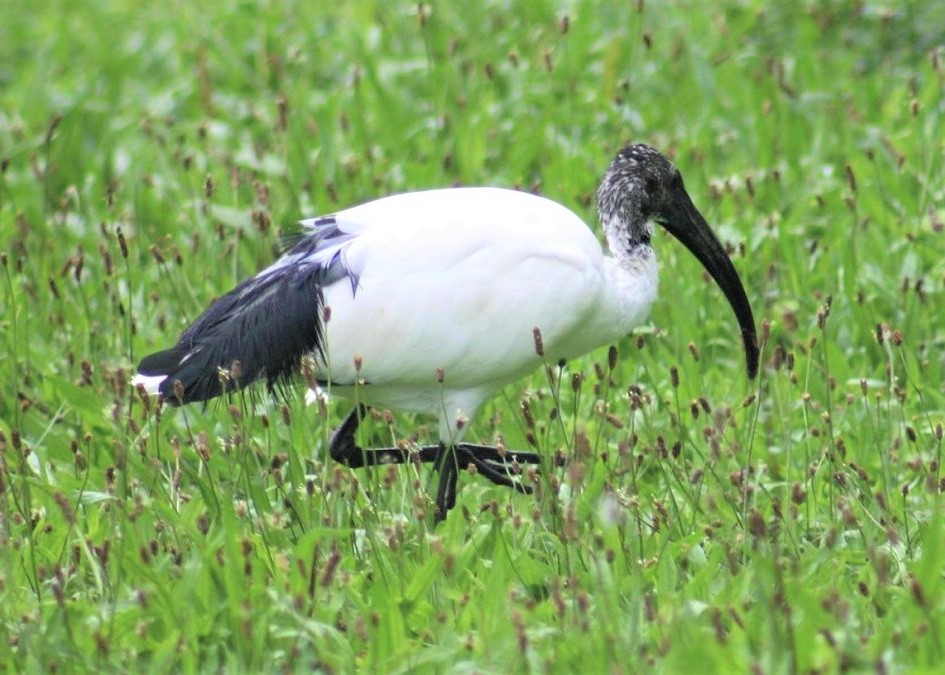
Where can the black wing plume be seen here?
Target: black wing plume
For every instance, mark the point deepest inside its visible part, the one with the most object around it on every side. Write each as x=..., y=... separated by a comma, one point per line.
x=259, y=330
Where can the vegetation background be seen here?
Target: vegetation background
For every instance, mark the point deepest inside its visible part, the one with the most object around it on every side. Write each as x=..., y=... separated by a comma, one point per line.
x=152, y=153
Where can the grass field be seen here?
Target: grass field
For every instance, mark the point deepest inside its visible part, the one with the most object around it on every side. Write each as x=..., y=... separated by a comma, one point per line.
x=152, y=153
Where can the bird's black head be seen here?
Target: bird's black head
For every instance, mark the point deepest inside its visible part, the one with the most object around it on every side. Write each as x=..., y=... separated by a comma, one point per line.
x=635, y=191
x=642, y=187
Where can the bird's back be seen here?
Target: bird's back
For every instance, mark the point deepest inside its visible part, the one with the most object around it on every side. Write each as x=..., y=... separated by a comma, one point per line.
x=456, y=281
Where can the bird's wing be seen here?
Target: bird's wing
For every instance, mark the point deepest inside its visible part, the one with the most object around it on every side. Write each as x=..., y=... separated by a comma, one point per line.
x=260, y=329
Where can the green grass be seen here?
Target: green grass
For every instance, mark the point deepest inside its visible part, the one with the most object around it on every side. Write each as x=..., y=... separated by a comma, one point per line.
x=153, y=152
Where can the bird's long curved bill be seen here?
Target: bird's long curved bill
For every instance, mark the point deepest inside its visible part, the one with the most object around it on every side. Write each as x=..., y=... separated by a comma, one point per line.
x=684, y=222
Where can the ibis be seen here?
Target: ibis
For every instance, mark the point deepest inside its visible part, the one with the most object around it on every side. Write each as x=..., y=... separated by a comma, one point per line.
x=430, y=301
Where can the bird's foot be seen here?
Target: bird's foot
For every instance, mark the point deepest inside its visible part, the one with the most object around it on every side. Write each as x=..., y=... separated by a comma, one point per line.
x=501, y=466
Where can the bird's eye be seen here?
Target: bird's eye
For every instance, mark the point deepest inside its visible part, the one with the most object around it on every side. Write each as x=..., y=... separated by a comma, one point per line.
x=651, y=184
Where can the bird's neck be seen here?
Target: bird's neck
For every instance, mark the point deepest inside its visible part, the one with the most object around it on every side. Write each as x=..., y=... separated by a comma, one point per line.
x=631, y=286
x=629, y=246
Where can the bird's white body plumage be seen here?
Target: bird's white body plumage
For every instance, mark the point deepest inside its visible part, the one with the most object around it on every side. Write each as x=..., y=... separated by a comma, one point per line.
x=457, y=280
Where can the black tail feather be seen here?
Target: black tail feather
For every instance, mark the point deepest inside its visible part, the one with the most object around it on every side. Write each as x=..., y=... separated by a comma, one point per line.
x=263, y=327
x=259, y=330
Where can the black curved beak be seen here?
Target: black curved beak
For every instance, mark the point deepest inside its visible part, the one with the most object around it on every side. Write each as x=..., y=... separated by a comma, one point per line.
x=682, y=220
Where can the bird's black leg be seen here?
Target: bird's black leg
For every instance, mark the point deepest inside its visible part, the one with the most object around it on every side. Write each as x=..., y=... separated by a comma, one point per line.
x=499, y=466
x=487, y=458
x=345, y=450
x=501, y=469
x=342, y=447
x=446, y=489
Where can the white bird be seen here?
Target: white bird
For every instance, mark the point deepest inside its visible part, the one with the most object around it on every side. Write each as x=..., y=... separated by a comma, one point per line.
x=430, y=301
